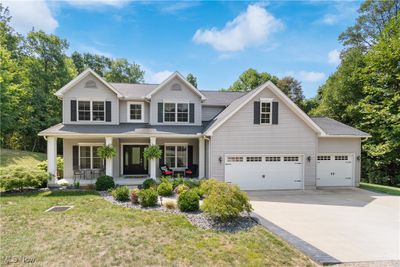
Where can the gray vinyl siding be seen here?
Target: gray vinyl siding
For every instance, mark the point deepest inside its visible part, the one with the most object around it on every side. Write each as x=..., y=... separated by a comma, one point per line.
x=209, y=112
x=123, y=111
x=165, y=94
x=101, y=93
x=239, y=135
x=343, y=145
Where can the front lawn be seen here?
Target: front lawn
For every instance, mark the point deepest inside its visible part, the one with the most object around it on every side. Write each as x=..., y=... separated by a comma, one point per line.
x=381, y=188
x=98, y=233
x=22, y=158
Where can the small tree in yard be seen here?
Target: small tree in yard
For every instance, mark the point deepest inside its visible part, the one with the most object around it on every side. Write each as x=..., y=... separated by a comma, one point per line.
x=152, y=152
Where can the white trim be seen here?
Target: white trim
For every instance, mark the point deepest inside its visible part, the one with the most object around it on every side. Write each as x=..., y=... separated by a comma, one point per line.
x=176, y=112
x=353, y=162
x=90, y=100
x=121, y=156
x=128, y=109
x=345, y=136
x=170, y=78
x=79, y=78
x=176, y=145
x=91, y=145
x=281, y=96
x=266, y=100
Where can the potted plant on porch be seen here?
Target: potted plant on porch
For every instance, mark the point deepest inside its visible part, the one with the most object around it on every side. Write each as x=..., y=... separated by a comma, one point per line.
x=152, y=152
x=106, y=152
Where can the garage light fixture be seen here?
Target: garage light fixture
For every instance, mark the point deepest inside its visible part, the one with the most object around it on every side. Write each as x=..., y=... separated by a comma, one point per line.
x=220, y=159
x=309, y=158
x=358, y=157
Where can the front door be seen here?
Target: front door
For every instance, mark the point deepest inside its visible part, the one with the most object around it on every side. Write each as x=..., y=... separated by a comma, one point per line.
x=134, y=162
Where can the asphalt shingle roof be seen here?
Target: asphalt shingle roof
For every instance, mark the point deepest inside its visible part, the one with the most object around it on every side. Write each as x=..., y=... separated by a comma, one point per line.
x=333, y=127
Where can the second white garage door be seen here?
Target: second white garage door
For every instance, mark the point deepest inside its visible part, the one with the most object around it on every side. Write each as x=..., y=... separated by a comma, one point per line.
x=264, y=172
x=335, y=170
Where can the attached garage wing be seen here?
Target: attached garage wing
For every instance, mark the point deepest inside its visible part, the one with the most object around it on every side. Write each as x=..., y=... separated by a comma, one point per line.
x=335, y=169
x=265, y=172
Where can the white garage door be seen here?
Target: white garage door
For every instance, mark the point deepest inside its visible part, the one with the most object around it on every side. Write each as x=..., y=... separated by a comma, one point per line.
x=335, y=170
x=264, y=172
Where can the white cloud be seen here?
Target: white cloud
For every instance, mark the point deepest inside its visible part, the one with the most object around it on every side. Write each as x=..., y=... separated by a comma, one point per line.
x=334, y=57
x=249, y=28
x=96, y=3
x=156, y=77
x=31, y=14
x=340, y=11
x=330, y=19
x=93, y=50
x=311, y=76
x=175, y=7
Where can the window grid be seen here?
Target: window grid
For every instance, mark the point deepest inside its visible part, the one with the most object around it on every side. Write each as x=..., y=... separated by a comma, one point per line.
x=265, y=113
x=84, y=110
x=169, y=112
x=323, y=157
x=176, y=156
x=272, y=158
x=88, y=158
x=235, y=159
x=341, y=157
x=135, y=112
x=183, y=112
x=253, y=159
x=290, y=158
x=98, y=110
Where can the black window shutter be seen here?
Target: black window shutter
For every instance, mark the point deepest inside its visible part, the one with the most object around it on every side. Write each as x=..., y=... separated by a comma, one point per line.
x=108, y=110
x=75, y=157
x=256, y=112
x=191, y=112
x=161, y=160
x=275, y=112
x=73, y=110
x=160, y=112
x=190, y=156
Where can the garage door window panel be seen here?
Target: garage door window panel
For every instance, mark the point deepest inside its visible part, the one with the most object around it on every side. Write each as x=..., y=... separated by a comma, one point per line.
x=253, y=159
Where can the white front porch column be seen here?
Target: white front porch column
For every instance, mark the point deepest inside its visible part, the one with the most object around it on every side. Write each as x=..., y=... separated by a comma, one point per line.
x=153, y=173
x=202, y=158
x=52, y=159
x=109, y=162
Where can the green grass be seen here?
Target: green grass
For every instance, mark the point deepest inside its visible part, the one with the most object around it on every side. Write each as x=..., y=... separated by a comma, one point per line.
x=18, y=157
x=97, y=233
x=381, y=188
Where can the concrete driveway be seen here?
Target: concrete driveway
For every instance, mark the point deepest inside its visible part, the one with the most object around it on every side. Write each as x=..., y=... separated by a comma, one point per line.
x=351, y=225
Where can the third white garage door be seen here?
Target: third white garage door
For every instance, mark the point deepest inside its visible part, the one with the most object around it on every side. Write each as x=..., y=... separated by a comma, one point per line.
x=264, y=172
x=335, y=170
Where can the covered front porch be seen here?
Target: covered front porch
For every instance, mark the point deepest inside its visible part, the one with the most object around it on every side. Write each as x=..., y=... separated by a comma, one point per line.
x=128, y=167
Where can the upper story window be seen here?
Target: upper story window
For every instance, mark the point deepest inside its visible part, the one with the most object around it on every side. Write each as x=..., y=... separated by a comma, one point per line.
x=176, y=112
x=265, y=112
x=91, y=110
x=135, y=112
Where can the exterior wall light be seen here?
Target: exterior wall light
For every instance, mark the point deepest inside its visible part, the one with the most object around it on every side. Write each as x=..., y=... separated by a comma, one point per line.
x=220, y=159
x=358, y=157
x=309, y=158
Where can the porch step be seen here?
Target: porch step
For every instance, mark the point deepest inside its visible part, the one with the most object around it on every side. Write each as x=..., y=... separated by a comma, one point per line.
x=140, y=176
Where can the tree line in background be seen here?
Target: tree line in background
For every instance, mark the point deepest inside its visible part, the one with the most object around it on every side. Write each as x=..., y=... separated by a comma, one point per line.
x=363, y=92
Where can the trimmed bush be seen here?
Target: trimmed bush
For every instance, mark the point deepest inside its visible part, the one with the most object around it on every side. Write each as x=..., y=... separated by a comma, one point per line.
x=148, y=197
x=192, y=183
x=188, y=201
x=135, y=196
x=148, y=183
x=198, y=191
x=207, y=185
x=18, y=177
x=169, y=204
x=104, y=183
x=60, y=166
x=121, y=193
x=181, y=188
x=177, y=182
x=224, y=201
x=165, y=189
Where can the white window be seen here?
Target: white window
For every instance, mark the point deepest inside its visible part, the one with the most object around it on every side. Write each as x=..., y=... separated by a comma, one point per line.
x=253, y=159
x=135, y=112
x=84, y=110
x=88, y=158
x=91, y=110
x=265, y=112
x=175, y=156
x=176, y=112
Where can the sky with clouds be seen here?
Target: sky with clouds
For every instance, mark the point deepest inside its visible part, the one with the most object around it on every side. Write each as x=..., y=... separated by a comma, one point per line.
x=216, y=41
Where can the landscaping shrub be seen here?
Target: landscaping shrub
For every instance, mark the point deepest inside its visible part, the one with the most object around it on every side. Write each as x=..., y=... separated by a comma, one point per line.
x=181, y=188
x=177, y=182
x=148, y=183
x=148, y=197
x=188, y=201
x=18, y=177
x=192, y=183
x=135, y=196
x=104, y=183
x=165, y=189
x=60, y=166
x=207, y=185
x=224, y=201
x=121, y=193
x=198, y=191
x=169, y=204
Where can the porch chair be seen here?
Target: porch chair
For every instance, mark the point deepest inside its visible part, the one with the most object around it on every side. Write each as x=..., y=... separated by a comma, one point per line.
x=78, y=173
x=165, y=170
x=191, y=171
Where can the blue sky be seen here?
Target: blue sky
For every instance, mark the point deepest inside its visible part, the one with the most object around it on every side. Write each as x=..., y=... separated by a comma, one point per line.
x=216, y=41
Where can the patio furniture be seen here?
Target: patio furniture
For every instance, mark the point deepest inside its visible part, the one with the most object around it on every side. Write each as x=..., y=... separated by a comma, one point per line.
x=191, y=171
x=165, y=170
x=78, y=173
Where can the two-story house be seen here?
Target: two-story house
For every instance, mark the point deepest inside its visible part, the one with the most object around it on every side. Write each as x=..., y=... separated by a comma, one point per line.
x=258, y=140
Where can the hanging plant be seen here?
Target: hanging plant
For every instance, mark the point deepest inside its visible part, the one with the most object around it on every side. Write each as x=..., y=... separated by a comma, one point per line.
x=152, y=152
x=106, y=152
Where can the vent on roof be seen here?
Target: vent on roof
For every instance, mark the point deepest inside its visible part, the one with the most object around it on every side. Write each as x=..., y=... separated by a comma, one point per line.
x=59, y=208
x=176, y=87
x=90, y=84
